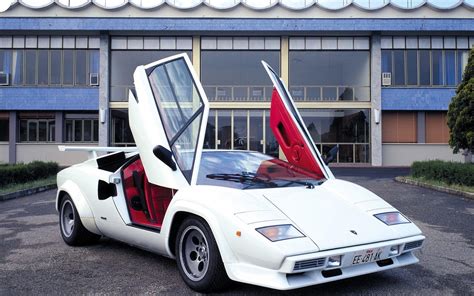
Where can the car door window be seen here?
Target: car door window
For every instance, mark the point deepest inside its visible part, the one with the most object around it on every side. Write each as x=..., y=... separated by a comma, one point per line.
x=181, y=109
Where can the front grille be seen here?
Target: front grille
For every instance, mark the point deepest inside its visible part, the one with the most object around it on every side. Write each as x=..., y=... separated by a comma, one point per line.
x=307, y=264
x=412, y=245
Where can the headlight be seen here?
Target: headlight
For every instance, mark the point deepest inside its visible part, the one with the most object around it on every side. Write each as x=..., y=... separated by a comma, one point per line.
x=392, y=218
x=279, y=232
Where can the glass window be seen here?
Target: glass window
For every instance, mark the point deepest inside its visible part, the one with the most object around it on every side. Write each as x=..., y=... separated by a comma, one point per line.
x=68, y=67
x=412, y=67
x=175, y=95
x=425, y=67
x=256, y=130
x=17, y=67
x=81, y=67
x=30, y=67
x=56, y=65
x=5, y=61
x=37, y=130
x=81, y=129
x=210, y=138
x=240, y=130
x=124, y=63
x=43, y=64
x=337, y=72
x=121, y=133
x=398, y=76
x=271, y=144
x=237, y=75
x=450, y=67
x=4, y=128
x=340, y=127
x=94, y=59
x=437, y=63
x=387, y=61
x=224, y=131
x=463, y=56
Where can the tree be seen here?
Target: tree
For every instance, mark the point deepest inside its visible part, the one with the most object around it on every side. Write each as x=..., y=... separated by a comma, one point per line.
x=461, y=112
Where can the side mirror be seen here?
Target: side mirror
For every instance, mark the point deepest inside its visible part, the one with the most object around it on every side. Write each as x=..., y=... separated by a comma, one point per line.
x=332, y=154
x=165, y=156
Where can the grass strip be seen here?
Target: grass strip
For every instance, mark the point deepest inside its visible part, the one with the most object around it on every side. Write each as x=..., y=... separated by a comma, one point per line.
x=464, y=188
x=28, y=185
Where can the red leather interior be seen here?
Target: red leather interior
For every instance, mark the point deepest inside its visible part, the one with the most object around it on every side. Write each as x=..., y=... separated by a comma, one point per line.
x=291, y=141
x=157, y=198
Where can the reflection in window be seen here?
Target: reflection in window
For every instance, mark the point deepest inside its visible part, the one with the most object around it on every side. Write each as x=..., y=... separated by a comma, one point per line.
x=233, y=75
x=17, y=67
x=398, y=67
x=256, y=130
x=450, y=70
x=240, y=130
x=348, y=128
x=210, y=137
x=68, y=69
x=224, y=129
x=329, y=75
x=123, y=64
x=43, y=62
x=437, y=64
x=412, y=67
x=56, y=65
x=81, y=67
x=425, y=67
x=30, y=67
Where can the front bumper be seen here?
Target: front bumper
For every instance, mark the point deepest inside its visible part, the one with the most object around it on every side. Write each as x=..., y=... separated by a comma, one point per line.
x=287, y=277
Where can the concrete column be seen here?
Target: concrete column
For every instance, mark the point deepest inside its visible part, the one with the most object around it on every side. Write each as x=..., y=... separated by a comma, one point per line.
x=12, y=137
x=59, y=127
x=376, y=100
x=284, y=72
x=104, y=89
x=420, y=128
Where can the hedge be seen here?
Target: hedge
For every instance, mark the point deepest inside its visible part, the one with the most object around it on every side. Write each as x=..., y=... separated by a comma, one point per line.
x=22, y=173
x=449, y=172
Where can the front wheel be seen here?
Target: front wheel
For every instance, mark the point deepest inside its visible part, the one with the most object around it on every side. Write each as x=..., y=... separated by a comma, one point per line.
x=72, y=230
x=198, y=258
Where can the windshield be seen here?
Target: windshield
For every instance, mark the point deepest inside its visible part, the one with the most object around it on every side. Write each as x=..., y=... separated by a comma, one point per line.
x=251, y=170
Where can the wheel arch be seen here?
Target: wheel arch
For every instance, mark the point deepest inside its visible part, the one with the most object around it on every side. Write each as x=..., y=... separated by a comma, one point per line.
x=181, y=213
x=80, y=202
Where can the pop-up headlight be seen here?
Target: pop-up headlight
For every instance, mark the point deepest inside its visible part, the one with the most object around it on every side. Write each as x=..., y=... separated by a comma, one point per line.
x=279, y=232
x=392, y=218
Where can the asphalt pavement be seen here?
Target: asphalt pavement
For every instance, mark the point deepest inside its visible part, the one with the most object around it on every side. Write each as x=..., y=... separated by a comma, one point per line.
x=35, y=260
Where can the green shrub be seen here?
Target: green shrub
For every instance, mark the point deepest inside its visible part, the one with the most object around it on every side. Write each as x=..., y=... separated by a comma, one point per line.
x=22, y=173
x=449, y=172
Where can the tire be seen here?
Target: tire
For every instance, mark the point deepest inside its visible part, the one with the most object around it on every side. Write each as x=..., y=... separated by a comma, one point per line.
x=70, y=225
x=198, y=258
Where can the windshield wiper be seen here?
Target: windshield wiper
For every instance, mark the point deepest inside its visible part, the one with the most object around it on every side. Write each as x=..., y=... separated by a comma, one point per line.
x=244, y=178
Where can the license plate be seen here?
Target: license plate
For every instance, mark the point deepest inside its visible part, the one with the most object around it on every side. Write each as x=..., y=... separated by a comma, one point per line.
x=367, y=256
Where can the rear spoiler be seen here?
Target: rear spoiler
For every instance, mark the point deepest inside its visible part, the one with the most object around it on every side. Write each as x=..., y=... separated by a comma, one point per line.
x=92, y=150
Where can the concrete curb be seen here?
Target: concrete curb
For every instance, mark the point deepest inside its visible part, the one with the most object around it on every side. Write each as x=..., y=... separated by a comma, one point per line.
x=27, y=192
x=435, y=187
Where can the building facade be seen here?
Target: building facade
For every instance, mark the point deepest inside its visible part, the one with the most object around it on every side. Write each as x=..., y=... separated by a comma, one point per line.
x=374, y=77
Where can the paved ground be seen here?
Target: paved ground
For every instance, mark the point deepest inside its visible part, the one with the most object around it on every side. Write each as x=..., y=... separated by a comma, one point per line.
x=34, y=260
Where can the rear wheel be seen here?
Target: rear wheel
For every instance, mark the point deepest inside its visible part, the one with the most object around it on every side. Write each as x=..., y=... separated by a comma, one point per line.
x=72, y=230
x=198, y=258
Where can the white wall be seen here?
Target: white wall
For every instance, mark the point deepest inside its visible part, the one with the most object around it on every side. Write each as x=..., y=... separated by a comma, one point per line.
x=4, y=153
x=406, y=154
x=26, y=152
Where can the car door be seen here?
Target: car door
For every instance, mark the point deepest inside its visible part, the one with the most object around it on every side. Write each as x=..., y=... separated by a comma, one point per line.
x=290, y=130
x=167, y=114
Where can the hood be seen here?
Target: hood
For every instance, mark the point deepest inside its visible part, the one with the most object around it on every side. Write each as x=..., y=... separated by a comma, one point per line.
x=329, y=214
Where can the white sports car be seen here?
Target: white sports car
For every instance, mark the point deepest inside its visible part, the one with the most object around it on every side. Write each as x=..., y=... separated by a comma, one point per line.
x=228, y=215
